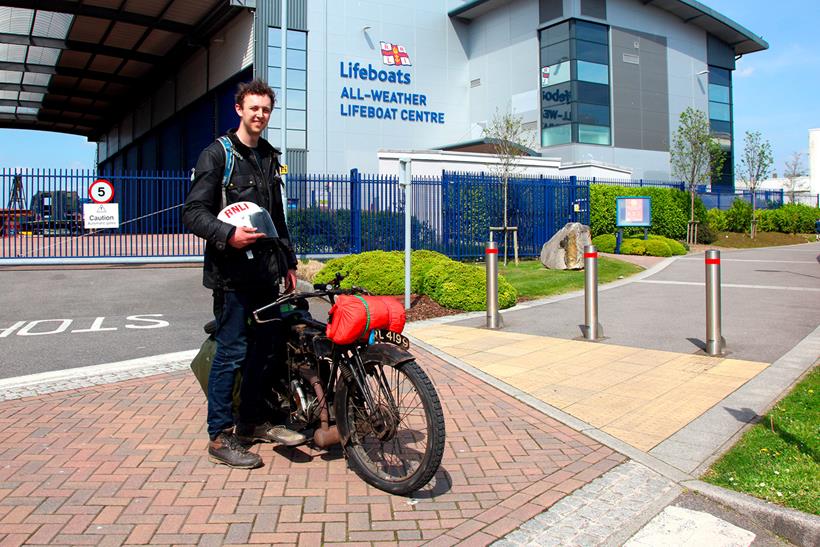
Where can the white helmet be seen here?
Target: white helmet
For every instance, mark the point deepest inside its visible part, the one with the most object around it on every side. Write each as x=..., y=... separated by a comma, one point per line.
x=249, y=214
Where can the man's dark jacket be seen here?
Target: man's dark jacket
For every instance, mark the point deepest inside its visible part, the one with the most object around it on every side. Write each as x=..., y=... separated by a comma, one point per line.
x=225, y=267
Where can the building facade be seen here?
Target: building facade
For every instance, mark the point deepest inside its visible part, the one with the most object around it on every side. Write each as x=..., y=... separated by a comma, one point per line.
x=600, y=81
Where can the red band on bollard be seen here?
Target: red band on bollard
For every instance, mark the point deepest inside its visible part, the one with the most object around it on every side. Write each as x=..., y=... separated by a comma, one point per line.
x=713, y=261
x=590, y=255
x=491, y=251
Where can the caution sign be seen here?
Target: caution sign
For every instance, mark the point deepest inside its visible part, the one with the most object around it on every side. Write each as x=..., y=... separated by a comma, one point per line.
x=283, y=169
x=101, y=215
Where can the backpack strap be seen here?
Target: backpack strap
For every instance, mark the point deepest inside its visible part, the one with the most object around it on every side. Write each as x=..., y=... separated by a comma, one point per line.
x=227, y=146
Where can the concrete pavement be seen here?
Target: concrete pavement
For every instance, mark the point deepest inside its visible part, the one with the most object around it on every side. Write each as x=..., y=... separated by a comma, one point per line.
x=551, y=440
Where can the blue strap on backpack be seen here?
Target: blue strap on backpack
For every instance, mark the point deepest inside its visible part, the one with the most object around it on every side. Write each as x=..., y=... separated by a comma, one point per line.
x=227, y=146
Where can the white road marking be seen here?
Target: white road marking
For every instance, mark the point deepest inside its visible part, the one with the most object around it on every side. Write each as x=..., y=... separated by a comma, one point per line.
x=756, y=260
x=729, y=285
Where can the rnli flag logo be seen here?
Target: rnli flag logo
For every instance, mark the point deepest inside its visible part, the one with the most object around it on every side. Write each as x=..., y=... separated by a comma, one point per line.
x=393, y=54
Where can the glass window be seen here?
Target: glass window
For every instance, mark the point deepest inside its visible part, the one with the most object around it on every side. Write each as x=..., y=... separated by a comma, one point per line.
x=297, y=79
x=555, y=53
x=560, y=134
x=593, y=114
x=556, y=115
x=592, y=72
x=720, y=111
x=592, y=93
x=555, y=34
x=719, y=93
x=556, y=74
x=593, y=134
x=275, y=77
x=584, y=30
x=274, y=56
x=275, y=118
x=557, y=94
x=718, y=126
x=297, y=99
x=591, y=51
x=297, y=58
x=297, y=39
x=297, y=119
x=720, y=76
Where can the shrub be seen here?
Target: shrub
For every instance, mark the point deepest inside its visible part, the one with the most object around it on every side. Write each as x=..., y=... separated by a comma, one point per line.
x=739, y=216
x=657, y=247
x=605, y=243
x=420, y=264
x=706, y=234
x=463, y=287
x=677, y=247
x=379, y=272
x=716, y=219
x=670, y=209
x=450, y=283
x=631, y=246
x=796, y=218
x=767, y=220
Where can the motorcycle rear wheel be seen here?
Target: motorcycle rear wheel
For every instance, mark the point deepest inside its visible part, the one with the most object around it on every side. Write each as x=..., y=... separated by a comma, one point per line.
x=398, y=449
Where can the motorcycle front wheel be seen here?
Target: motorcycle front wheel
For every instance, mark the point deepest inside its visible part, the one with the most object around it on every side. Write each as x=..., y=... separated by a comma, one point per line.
x=398, y=445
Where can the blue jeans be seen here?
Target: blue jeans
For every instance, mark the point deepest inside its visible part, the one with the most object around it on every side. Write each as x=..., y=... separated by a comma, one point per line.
x=235, y=350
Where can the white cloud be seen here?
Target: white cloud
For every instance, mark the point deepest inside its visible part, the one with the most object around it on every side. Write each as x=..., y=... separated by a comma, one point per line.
x=745, y=72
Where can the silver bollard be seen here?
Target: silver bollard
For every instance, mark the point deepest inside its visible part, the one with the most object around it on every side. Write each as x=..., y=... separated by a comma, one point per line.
x=492, y=285
x=592, y=329
x=714, y=341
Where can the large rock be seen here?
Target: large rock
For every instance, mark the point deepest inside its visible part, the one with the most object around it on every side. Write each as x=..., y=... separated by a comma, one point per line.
x=565, y=250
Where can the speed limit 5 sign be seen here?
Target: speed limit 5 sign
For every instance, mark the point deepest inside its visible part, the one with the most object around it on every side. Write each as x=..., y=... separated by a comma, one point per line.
x=101, y=191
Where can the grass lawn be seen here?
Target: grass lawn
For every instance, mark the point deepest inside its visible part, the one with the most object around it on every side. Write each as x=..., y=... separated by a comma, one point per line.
x=763, y=239
x=532, y=280
x=778, y=459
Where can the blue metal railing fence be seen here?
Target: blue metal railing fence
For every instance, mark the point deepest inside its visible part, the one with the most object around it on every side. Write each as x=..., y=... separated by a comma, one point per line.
x=41, y=215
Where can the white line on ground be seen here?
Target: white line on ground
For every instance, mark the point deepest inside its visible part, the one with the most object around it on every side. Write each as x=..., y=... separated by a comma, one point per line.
x=755, y=260
x=730, y=285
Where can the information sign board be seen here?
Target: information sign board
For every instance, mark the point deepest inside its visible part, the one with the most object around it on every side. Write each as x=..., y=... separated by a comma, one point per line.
x=633, y=211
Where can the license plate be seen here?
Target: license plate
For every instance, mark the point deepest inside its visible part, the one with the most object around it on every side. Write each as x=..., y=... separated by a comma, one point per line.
x=394, y=338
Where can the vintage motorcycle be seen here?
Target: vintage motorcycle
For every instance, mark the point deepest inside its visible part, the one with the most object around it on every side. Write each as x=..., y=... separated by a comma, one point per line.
x=370, y=396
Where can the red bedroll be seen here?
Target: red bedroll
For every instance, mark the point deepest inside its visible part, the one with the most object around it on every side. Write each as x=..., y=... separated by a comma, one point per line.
x=352, y=317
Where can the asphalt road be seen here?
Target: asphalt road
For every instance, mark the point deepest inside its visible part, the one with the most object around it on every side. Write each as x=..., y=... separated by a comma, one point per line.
x=58, y=318
x=667, y=311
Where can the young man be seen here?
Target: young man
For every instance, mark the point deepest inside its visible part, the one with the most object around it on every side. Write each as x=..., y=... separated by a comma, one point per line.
x=243, y=267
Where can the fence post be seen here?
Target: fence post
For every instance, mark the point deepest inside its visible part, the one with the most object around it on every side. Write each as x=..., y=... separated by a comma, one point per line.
x=573, y=182
x=640, y=182
x=355, y=211
x=406, y=180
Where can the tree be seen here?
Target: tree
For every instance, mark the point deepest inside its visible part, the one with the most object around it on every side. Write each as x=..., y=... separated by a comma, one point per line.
x=794, y=170
x=695, y=158
x=755, y=165
x=510, y=141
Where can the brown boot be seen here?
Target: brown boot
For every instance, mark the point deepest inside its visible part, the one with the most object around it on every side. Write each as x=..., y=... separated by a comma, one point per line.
x=267, y=433
x=227, y=450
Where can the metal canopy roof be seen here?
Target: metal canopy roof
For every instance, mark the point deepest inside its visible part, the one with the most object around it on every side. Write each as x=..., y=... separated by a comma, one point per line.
x=690, y=11
x=77, y=66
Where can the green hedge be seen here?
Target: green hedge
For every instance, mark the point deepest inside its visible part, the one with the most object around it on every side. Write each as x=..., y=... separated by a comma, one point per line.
x=670, y=209
x=791, y=218
x=452, y=284
x=655, y=246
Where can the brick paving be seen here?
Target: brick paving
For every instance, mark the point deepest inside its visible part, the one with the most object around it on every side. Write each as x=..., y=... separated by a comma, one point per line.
x=126, y=463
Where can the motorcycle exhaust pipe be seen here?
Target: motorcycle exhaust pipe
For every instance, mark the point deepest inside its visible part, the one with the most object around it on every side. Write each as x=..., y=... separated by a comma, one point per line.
x=327, y=435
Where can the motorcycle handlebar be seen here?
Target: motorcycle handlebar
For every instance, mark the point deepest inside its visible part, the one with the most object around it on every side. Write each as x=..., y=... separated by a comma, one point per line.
x=321, y=291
